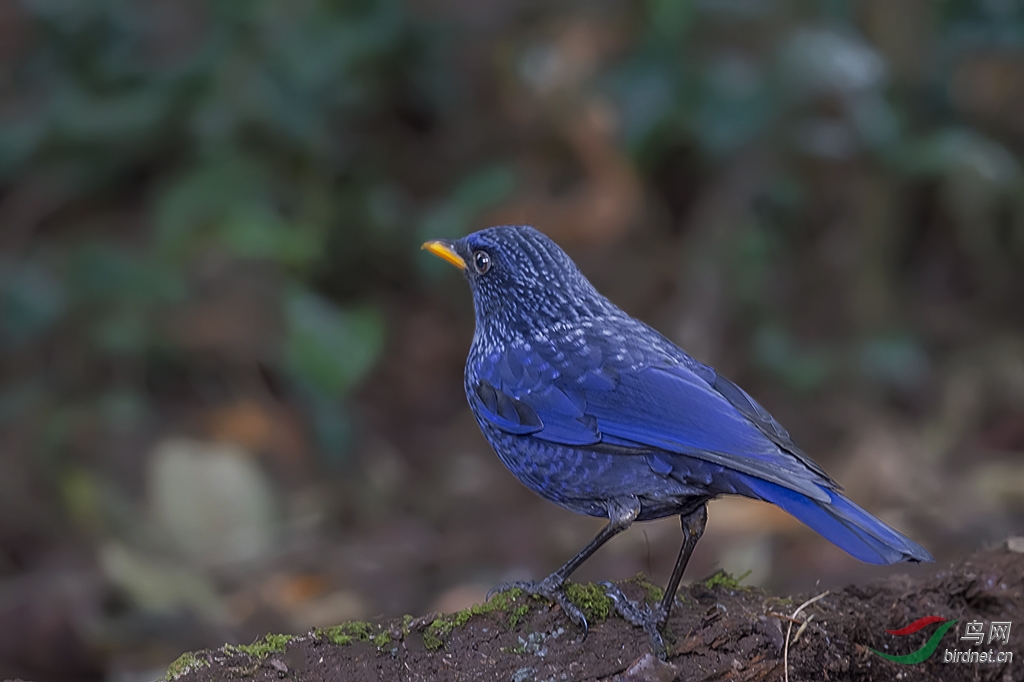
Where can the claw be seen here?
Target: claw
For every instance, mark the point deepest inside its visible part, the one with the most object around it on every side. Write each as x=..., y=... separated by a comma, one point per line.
x=549, y=590
x=651, y=619
x=574, y=613
x=658, y=645
x=505, y=587
x=631, y=612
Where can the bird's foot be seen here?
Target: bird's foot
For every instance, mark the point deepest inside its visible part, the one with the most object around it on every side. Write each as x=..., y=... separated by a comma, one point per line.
x=549, y=588
x=651, y=618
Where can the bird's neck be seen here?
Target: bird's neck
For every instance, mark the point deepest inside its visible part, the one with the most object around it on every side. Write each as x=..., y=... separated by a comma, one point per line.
x=538, y=323
x=494, y=335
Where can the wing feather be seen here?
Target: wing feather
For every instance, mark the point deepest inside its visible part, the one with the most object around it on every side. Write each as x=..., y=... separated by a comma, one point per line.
x=669, y=408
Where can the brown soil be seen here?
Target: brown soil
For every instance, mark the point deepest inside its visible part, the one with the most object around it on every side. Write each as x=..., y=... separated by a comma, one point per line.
x=719, y=632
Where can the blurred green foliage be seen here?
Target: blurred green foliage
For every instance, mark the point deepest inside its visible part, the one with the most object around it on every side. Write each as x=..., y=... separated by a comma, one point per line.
x=901, y=100
x=230, y=183
x=210, y=214
x=164, y=135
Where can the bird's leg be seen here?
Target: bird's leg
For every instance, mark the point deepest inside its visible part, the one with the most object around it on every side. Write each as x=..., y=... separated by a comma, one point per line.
x=693, y=528
x=653, y=619
x=621, y=514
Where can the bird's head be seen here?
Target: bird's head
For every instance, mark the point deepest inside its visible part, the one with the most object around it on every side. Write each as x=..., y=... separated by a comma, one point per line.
x=521, y=280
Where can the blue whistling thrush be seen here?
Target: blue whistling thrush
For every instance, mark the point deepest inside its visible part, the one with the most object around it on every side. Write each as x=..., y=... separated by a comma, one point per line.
x=601, y=414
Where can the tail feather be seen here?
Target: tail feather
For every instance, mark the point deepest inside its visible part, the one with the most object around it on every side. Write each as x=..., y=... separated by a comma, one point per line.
x=842, y=523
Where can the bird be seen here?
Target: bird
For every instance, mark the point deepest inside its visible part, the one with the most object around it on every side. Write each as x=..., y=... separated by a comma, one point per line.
x=601, y=414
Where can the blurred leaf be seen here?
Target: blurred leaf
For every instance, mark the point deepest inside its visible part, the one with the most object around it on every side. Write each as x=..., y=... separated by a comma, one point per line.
x=734, y=106
x=823, y=61
x=803, y=370
x=331, y=424
x=671, y=18
x=964, y=150
x=213, y=498
x=125, y=331
x=982, y=189
x=484, y=188
x=31, y=301
x=896, y=361
x=647, y=91
x=158, y=586
x=100, y=270
x=117, y=120
x=19, y=140
x=328, y=348
x=875, y=120
x=202, y=196
x=253, y=231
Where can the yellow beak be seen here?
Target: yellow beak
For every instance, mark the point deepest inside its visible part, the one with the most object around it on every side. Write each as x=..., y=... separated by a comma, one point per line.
x=443, y=251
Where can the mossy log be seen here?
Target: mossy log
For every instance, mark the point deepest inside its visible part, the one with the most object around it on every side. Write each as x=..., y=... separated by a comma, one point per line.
x=720, y=630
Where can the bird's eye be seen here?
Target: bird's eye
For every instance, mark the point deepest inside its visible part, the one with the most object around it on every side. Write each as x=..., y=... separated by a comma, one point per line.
x=482, y=261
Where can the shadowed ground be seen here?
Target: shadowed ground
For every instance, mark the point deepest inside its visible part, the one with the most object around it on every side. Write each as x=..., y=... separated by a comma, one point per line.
x=719, y=631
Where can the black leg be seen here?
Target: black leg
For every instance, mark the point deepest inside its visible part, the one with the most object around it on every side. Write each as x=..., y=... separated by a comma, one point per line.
x=621, y=514
x=653, y=620
x=693, y=527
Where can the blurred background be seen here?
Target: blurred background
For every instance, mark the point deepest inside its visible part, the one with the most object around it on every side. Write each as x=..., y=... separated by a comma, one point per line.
x=230, y=383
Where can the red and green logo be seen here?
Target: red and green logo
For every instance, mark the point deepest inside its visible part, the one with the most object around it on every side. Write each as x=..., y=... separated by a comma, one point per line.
x=929, y=647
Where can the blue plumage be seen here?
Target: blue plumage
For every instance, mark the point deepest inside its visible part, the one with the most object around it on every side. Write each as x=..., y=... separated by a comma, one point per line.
x=600, y=413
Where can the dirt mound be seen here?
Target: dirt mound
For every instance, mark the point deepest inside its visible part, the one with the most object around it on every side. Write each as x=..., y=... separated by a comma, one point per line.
x=719, y=631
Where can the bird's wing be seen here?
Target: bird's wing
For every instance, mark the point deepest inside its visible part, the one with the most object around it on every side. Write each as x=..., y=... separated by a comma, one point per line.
x=669, y=407
x=548, y=414
x=521, y=392
x=760, y=417
x=675, y=410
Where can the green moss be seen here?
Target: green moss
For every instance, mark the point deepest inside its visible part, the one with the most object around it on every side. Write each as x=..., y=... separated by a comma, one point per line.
x=502, y=601
x=277, y=642
x=509, y=602
x=596, y=605
x=723, y=579
x=359, y=631
x=185, y=663
x=335, y=635
x=515, y=615
x=435, y=632
x=406, y=624
x=261, y=648
x=654, y=593
x=346, y=633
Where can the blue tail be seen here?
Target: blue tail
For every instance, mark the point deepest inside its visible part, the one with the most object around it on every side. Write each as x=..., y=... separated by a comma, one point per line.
x=842, y=523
